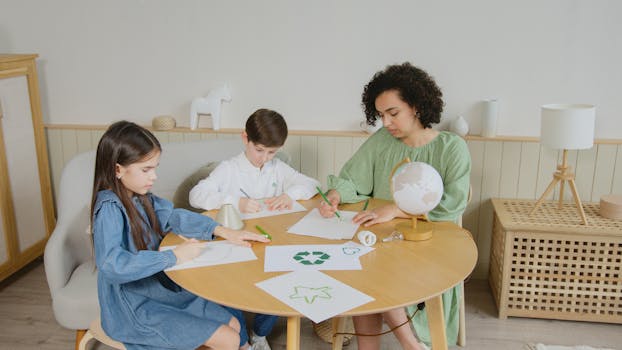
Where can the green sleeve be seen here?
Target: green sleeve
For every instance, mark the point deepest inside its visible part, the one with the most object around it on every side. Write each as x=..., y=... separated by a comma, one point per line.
x=355, y=182
x=456, y=176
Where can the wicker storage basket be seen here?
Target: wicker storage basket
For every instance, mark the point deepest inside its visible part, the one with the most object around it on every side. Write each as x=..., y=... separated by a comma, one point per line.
x=163, y=122
x=548, y=265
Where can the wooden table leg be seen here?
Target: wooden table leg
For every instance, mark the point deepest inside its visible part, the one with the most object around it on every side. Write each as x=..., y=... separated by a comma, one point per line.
x=339, y=325
x=436, y=322
x=293, y=333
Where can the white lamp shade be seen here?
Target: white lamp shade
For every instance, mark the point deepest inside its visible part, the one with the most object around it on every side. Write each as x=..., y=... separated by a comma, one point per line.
x=567, y=126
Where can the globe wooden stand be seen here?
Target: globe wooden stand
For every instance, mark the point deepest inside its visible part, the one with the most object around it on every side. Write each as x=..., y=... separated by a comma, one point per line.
x=416, y=231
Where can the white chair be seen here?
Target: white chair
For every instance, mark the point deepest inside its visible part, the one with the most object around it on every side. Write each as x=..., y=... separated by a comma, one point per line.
x=69, y=265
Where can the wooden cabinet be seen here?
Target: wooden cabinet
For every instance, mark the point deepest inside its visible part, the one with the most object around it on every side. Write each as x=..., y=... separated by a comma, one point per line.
x=26, y=205
x=549, y=265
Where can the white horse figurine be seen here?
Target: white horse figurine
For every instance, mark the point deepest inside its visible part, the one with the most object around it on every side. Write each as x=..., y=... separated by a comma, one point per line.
x=209, y=104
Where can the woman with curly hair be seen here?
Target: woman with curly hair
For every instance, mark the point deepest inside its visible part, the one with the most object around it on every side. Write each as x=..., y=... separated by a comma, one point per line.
x=407, y=101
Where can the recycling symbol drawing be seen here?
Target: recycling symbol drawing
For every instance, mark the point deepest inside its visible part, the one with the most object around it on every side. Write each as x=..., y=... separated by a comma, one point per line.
x=311, y=258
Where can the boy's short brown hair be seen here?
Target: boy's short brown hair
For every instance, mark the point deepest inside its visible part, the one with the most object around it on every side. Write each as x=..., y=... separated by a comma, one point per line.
x=266, y=127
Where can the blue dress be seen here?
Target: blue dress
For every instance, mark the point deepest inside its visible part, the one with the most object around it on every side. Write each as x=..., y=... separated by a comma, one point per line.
x=140, y=306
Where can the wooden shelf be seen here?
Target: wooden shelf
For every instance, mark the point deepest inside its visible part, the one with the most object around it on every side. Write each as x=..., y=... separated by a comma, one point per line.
x=333, y=133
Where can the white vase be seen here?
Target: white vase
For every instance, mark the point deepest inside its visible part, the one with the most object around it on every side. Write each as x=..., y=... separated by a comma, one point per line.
x=459, y=126
x=489, y=118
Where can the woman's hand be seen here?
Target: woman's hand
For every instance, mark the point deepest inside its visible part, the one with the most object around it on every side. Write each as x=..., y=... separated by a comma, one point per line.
x=326, y=210
x=188, y=250
x=281, y=202
x=248, y=205
x=239, y=237
x=377, y=215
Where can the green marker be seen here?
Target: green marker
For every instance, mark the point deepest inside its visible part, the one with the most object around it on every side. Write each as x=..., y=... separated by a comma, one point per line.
x=366, y=204
x=326, y=200
x=266, y=234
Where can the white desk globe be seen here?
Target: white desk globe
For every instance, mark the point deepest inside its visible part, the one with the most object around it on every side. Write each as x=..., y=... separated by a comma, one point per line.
x=417, y=188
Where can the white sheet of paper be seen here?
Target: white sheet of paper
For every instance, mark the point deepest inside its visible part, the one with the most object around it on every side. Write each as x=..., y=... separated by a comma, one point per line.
x=315, y=295
x=216, y=253
x=313, y=224
x=296, y=207
x=311, y=257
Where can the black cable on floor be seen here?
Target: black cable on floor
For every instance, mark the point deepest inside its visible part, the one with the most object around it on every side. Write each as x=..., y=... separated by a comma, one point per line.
x=420, y=306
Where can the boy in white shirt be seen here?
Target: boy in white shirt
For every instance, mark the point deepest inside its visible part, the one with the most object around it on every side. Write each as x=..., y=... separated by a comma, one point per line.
x=250, y=176
x=255, y=173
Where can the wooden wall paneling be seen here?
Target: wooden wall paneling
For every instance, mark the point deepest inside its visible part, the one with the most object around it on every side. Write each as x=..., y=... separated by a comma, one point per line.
x=292, y=148
x=603, y=172
x=510, y=167
x=162, y=136
x=470, y=218
x=96, y=135
x=528, y=170
x=208, y=136
x=83, y=141
x=616, y=186
x=586, y=164
x=326, y=147
x=228, y=136
x=55, y=156
x=70, y=144
x=192, y=137
x=490, y=189
x=500, y=168
x=308, y=156
x=175, y=137
x=547, y=165
x=343, y=152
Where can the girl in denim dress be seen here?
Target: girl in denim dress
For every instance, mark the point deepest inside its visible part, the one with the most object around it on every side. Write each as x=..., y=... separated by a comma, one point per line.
x=140, y=306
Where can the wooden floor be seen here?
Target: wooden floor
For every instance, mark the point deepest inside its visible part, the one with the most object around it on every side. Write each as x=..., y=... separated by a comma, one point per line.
x=27, y=322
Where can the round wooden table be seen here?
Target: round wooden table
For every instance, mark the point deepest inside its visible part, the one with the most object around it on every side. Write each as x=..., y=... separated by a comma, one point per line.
x=396, y=274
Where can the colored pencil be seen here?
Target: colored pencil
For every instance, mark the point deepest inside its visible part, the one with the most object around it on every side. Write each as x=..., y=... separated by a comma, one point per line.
x=266, y=234
x=327, y=201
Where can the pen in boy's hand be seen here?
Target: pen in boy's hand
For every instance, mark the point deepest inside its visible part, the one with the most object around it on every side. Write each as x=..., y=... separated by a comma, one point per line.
x=326, y=200
x=266, y=234
x=246, y=194
x=366, y=204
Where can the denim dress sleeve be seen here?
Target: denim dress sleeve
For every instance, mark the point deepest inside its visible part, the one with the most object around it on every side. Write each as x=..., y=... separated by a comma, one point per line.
x=182, y=221
x=115, y=261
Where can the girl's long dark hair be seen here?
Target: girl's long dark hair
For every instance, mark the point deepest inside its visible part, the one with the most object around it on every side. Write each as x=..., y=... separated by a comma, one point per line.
x=125, y=143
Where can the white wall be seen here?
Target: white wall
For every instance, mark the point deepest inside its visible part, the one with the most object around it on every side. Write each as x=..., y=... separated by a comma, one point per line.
x=101, y=61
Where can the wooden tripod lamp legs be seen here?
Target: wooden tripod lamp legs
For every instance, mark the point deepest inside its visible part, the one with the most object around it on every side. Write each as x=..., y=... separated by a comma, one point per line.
x=562, y=175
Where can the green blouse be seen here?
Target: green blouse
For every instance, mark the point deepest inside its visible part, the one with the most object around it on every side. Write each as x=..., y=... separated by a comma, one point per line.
x=368, y=172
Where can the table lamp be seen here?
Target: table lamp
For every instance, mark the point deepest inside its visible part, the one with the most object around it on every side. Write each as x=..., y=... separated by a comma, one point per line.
x=565, y=127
